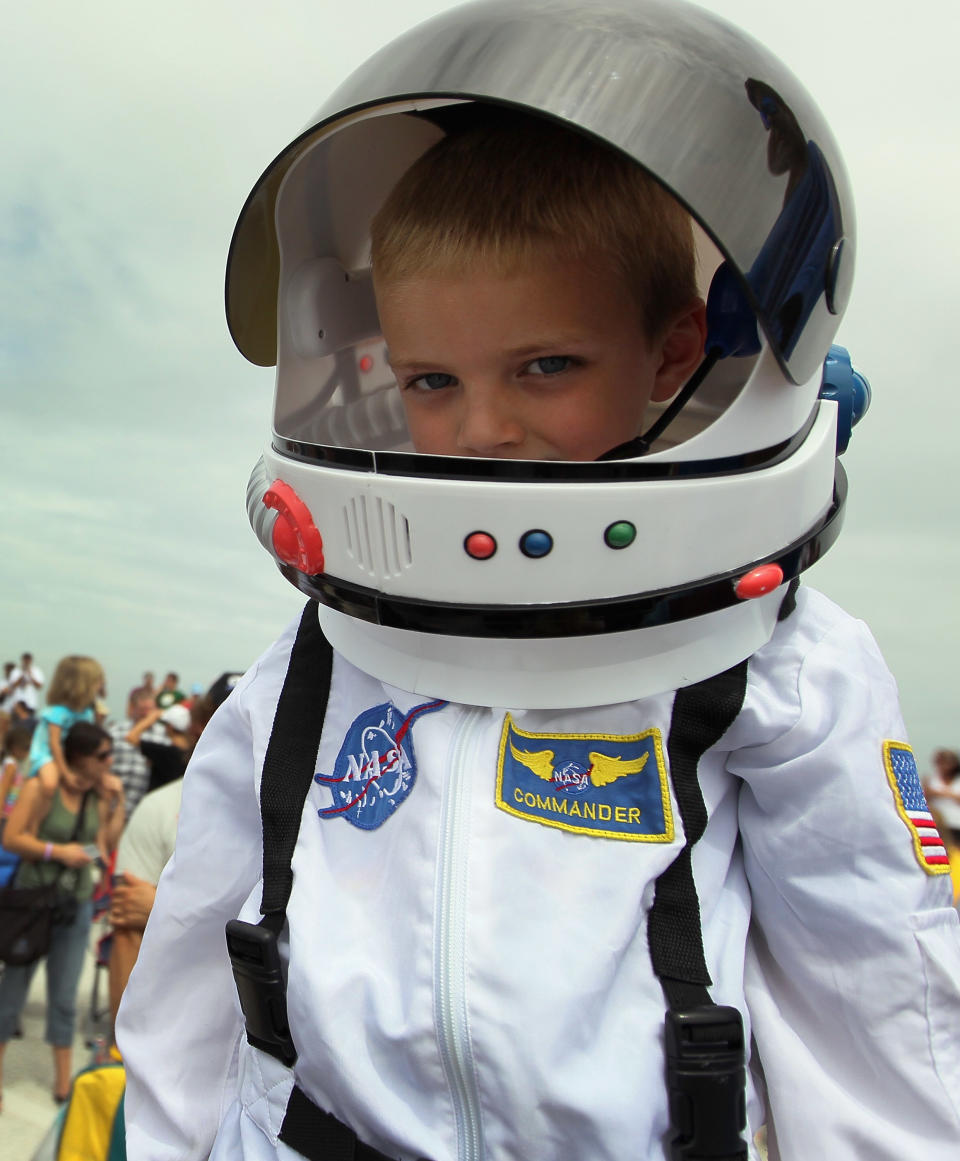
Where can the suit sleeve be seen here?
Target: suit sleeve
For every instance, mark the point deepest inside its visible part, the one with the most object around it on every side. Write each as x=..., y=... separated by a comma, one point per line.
x=179, y=1022
x=853, y=966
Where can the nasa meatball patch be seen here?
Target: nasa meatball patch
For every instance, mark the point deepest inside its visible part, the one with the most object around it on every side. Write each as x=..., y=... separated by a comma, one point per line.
x=606, y=785
x=376, y=767
x=901, y=768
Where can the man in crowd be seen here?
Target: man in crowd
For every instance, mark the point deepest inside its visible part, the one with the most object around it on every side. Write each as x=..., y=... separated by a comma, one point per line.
x=145, y=846
x=170, y=692
x=129, y=762
x=146, y=687
x=25, y=681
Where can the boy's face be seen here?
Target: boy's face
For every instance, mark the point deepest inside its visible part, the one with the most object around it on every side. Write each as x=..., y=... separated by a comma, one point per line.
x=548, y=364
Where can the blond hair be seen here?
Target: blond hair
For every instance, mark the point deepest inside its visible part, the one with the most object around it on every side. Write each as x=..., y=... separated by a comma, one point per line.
x=76, y=682
x=509, y=193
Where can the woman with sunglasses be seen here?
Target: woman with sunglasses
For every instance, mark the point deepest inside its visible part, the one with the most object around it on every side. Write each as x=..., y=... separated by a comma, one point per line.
x=44, y=832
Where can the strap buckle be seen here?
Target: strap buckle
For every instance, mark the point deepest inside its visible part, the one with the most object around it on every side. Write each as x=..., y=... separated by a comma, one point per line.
x=258, y=974
x=706, y=1083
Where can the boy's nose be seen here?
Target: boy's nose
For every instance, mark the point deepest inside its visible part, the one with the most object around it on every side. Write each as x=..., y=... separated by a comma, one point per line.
x=489, y=425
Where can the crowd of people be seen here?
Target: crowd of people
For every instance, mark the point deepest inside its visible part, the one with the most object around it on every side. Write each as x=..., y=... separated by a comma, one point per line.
x=78, y=810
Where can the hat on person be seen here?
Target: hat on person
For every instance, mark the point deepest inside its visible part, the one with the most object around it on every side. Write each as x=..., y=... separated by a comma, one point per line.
x=177, y=717
x=223, y=686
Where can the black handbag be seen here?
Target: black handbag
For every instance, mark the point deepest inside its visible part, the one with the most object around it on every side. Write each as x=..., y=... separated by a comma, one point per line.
x=26, y=923
x=27, y=914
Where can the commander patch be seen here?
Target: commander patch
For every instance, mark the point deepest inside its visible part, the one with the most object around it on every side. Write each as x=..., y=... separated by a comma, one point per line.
x=901, y=767
x=607, y=785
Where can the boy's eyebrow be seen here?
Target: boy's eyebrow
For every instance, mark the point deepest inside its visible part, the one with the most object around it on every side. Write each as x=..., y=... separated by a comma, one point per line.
x=549, y=343
x=553, y=343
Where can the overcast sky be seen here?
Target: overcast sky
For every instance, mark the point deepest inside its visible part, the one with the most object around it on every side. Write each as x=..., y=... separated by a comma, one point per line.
x=131, y=137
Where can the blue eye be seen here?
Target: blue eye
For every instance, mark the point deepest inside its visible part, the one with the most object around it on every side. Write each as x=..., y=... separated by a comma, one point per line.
x=550, y=365
x=434, y=381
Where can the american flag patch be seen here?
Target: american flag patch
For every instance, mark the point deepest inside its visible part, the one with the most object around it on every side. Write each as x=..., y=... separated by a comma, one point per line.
x=904, y=779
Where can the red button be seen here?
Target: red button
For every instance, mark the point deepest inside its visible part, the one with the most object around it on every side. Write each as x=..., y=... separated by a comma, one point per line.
x=296, y=539
x=480, y=545
x=759, y=581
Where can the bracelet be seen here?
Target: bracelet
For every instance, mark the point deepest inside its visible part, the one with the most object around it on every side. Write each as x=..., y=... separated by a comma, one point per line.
x=47, y=852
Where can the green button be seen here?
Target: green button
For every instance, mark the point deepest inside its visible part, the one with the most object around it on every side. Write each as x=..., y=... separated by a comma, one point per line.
x=620, y=535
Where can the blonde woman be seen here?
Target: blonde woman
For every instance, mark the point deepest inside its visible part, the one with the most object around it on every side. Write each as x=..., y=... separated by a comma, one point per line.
x=70, y=698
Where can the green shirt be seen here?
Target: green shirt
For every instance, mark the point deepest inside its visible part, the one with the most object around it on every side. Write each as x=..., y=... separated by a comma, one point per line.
x=57, y=827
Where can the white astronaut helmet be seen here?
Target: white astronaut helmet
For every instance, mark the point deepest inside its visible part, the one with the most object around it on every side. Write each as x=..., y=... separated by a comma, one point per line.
x=517, y=582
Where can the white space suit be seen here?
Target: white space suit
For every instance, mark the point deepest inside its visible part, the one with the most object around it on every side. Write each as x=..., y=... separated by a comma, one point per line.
x=469, y=980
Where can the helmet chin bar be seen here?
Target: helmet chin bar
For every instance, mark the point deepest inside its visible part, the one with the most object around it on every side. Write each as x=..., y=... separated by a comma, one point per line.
x=582, y=618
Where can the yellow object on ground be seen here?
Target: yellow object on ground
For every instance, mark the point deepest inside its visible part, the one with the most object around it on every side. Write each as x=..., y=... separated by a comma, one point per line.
x=93, y=1128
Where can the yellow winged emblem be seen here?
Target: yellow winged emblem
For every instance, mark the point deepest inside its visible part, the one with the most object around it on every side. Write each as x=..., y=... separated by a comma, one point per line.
x=539, y=761
x=603, y=769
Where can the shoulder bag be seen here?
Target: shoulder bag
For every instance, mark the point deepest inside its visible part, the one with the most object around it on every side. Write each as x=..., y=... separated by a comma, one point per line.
x=27, y=914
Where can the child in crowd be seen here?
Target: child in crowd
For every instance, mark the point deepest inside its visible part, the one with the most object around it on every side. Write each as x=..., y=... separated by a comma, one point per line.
x=16, y=750
x=13, y=762
x=76, y=684
x=504, y=829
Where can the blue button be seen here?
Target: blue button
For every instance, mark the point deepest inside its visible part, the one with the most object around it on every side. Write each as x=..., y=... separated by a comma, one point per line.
x=536, y=542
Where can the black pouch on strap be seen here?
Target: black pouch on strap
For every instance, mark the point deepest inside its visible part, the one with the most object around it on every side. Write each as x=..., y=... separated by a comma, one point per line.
x=706, y=1083
x=258, y=974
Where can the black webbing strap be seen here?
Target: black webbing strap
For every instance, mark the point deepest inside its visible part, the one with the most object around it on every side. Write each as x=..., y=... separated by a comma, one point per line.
x=288, y=770
x=702, y=714
x=705, y=1057
x=319, y=1136
x=288, y=767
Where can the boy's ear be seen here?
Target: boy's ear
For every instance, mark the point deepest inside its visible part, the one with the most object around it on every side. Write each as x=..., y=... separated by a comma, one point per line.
x=681, y=350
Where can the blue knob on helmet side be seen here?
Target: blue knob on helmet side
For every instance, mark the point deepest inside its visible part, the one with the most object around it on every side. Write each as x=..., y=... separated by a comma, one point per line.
x=848, y=389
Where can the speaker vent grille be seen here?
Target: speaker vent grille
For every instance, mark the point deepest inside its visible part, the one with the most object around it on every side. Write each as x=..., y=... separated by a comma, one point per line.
x=378, y=536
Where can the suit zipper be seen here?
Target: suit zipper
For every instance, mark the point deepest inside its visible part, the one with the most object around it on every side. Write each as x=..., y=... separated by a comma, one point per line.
x=450, y=1003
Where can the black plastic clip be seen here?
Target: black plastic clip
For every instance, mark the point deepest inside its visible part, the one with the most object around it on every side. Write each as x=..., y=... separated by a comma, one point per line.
x=706, y=1083
x=258, y=974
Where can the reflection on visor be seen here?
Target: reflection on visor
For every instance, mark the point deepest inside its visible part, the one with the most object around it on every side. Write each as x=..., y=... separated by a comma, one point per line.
x=799, y=259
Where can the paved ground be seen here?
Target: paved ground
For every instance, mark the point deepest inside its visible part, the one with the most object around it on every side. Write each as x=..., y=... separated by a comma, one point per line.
x=28, y=1108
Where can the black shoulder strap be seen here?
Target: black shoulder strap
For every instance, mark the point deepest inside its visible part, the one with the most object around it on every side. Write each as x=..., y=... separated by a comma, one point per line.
x=288, y=767
x=702, y=714
x=704, y=1042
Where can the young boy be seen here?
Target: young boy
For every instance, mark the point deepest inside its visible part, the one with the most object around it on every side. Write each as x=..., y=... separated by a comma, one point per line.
x=521, y=847
x=535, y=317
